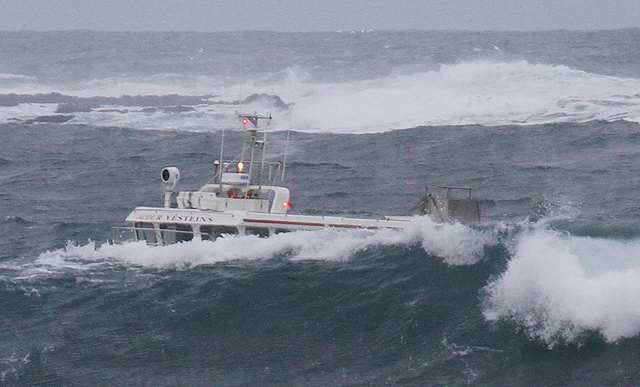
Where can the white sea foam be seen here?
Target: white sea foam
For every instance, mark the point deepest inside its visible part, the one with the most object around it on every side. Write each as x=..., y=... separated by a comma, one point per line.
x=456, y=244
x=479, y=92
x=485, y=93
x=25, y=111
x=559, y=287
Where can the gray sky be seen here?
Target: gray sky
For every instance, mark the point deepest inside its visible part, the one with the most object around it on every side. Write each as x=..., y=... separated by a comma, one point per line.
x=317, y=15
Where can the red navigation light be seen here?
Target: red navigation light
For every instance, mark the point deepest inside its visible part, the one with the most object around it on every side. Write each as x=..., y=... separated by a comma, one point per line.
x=286, y=205
x=245, y=120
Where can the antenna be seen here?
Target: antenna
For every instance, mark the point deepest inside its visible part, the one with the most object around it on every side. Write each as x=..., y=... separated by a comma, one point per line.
x=221, y=167
x=253, y=143
x=286, y=147
x=286, y=144
x=284, y=159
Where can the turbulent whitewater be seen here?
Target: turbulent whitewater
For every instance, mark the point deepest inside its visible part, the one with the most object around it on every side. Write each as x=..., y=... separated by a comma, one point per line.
x=543, y=126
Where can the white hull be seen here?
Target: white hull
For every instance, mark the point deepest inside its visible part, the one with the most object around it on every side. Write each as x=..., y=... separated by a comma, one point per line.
x=161, y=226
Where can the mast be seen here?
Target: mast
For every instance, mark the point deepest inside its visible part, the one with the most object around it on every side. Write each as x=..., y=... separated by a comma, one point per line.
x=253, y=144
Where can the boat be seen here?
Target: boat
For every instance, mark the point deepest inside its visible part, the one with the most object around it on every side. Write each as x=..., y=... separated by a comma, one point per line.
x=246, y=196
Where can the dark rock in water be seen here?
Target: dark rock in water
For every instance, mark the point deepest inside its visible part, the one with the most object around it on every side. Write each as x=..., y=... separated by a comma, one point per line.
x=9, y=100
x=268, y=99
x=56, y=119
x=72, y=108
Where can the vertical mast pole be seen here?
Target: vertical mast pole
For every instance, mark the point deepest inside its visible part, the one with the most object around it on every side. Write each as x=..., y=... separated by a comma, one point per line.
x=264, y=150
x=284, y=159
x=221, y=167
x=253, y=151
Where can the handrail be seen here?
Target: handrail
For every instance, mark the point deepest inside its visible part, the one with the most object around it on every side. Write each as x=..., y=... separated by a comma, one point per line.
x=275, y=168
x=449, y=189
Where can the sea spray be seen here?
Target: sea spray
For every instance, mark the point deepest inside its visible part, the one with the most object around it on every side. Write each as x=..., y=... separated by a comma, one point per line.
x=455, y=244
x=468, y=93
x=555, y=294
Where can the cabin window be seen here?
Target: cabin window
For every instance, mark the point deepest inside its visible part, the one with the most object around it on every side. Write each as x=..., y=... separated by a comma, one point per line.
x=281, y=230
x=175, y=232
x=262, y=232
x=145, y=232
x=213, y=232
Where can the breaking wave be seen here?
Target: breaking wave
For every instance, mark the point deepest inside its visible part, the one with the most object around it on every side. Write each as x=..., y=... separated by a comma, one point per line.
x=456, y=244
x=557, y=288
x=561, y=288
x=468, y=93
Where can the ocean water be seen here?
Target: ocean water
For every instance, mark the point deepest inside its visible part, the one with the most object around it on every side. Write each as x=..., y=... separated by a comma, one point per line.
x=544, y=126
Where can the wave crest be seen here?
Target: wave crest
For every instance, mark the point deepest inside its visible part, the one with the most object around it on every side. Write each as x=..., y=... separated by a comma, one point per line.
x=560, y=288
x=468, y=93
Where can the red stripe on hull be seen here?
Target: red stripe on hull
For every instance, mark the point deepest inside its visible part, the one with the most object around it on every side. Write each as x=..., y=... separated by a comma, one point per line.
x=313, y=224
